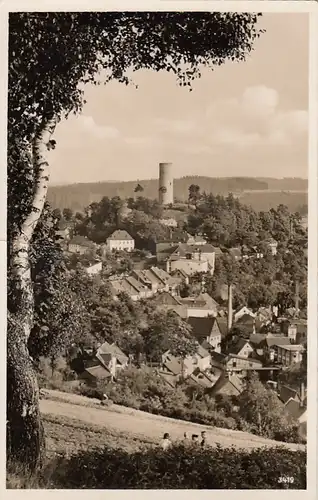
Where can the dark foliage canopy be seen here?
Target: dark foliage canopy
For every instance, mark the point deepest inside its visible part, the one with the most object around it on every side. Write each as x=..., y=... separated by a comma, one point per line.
x=52, y=56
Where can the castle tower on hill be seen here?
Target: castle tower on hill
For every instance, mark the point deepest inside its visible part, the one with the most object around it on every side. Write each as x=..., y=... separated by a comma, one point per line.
x=165, y=184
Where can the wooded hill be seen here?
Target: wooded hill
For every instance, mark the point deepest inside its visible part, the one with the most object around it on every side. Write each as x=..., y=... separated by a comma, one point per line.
x=78, y=196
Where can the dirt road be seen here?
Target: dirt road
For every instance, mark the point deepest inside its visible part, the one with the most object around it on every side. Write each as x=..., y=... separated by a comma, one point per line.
x=140, y=424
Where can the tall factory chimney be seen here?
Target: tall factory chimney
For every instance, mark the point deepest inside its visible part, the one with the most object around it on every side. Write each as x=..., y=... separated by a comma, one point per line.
x=297, y=297
x=165, y=183
x=229, y=307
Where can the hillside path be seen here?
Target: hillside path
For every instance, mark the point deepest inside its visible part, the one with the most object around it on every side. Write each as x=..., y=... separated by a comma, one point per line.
x=144, y=425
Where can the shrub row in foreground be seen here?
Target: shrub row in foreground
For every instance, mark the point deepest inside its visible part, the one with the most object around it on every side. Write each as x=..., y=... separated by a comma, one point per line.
x=181, y=467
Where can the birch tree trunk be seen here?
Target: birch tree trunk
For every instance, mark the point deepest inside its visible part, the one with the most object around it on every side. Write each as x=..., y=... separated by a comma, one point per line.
x=25, y=438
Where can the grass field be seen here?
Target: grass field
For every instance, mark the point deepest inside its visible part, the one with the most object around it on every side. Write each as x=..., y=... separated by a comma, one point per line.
x=74, y=422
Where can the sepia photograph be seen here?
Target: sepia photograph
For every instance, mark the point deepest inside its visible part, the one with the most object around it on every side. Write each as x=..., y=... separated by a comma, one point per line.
x=157, y=247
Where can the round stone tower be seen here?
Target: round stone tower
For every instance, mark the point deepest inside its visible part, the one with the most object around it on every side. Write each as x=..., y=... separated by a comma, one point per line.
x=165, y=183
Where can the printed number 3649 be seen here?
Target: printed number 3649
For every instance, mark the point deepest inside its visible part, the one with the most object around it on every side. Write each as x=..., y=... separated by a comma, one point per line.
x=286, y=479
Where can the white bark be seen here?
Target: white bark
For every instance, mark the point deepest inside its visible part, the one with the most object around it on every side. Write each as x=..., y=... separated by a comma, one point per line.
x=20, y=265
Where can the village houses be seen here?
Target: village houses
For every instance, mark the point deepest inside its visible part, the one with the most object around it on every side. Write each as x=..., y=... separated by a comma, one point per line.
x=120, y=240
x=80, y=245
x=206, y=330
x=288, y=355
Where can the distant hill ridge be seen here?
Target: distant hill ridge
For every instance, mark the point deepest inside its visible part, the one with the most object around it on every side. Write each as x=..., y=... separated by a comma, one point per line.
x=78, y=196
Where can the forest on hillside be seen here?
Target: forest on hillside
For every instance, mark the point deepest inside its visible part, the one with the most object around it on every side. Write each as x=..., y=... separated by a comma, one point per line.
x=78, y=196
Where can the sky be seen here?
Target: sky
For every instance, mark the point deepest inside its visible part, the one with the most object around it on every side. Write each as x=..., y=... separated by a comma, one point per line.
x=242, y=119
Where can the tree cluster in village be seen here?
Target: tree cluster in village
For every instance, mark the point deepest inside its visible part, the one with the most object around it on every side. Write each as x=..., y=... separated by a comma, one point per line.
x=225, y=223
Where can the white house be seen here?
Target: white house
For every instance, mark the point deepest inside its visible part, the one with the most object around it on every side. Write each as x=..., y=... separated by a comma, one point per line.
x=272, y=245
x=170, y=222
x=94, y=269
x=242, y=312
x=201, y=306
x=80, y=245
x=192, y=259
x=289, y=354
x=120, y=240
x=207, y=331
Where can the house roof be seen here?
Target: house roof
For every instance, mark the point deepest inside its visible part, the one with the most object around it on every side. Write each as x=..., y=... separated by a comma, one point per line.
x=301, y=325
x=202, y=351
x=120, y=235
x=166, y=298
x=170, y=378
x=81, y=241
x=218, y=357
x=202, y=378
x=202, y=327
x=225, y=380
x=277, y=340
x=246, y=319
x=98, y=371
x=180, y=271
x=294, y=408
x=135, y=283
x=183, y=249
x=209, y=300
x=293, y=347
x=180, y=310
x=113, y=349
x=249, y=359
x=104, y=358
x=172, y=364
x=286, y=393
x=244, y=308
x=236, y=347
x=256, y=338
x=222, y=324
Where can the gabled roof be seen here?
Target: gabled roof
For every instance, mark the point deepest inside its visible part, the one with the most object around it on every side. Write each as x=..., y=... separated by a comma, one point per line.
x=202, y=378
x=256, y=338
x=209, y=300
x=236, y=347
x=120, y=235
x=139, y=287
x=169, y=378
x=246, y=319
x=248, y=313
x=250, y=359
x=293, y=347
x=180, y=271
x=218, y=357
x=222, y=324
x=277, y=340
x=294, y=408
x=81, y=241
x=172, y=364
x=113, y=349
x=179, y=310
x=202, y=327
x=99, y=372
x=225, y=380
x=166, y=298
x=286, y=393
x=202, y=351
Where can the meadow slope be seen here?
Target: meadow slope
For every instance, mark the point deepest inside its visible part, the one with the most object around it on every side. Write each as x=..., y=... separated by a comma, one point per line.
x=74, y=422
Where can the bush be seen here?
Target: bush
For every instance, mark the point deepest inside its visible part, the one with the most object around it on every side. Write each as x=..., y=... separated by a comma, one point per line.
x=182, y=467
x=142, y=389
